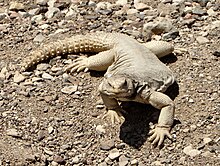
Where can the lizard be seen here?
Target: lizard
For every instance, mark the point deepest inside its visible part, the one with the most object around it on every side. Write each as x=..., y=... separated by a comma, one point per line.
x=133, y=72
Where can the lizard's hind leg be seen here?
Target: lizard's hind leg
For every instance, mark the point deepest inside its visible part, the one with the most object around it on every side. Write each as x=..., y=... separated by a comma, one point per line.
x=98, y=62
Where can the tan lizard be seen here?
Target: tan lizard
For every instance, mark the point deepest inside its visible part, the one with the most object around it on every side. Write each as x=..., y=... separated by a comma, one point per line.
x=134, y=72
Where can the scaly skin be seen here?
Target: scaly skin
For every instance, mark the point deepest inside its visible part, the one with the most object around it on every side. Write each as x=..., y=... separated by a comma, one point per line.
x=134, y=72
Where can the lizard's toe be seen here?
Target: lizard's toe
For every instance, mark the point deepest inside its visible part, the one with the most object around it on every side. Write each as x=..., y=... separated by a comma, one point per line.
x=115, y=116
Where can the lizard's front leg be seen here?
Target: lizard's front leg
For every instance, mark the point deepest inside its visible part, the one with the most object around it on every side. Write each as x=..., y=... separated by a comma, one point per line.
x=114, y=110
x=166, y=118
x=98, y=62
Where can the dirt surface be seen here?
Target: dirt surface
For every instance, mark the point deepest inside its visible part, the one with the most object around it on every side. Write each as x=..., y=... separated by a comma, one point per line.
x=50, y=118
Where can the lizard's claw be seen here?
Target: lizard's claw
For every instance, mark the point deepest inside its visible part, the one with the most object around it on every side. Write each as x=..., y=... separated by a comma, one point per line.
x=158, y=135
x=114, y=116
x=78, y=65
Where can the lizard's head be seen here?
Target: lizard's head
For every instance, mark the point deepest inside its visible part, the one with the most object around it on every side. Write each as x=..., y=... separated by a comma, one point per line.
x=118, y=86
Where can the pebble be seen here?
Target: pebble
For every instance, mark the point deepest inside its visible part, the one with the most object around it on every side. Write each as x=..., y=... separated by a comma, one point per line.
x=132, y=11
x=114, y=154
x=121, y=2
x=58, y=159
x=37, y=19
x=41, y=2
x=75, y=160
x=216, y=53
x=190, y=151
x=13, y=133
x=100, y=130
x=69, y=89
x=49, y=152
x=51, y=12
x=47, y=76
x=18, y=77
x=123, y=160
x=39, y=38
x=107, y=145
x=43, y=66
x=134, y=162
x=202, y=40
x=207, y=140
x=50, y=130
x=141, y=6
x=16, y=6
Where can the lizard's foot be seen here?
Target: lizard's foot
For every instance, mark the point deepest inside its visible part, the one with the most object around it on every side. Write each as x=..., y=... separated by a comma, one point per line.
x=158, y=135
x=78, y=65
x=114, y=115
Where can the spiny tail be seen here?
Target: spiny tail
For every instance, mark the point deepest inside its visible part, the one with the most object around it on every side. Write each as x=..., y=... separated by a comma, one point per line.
x=91, y=43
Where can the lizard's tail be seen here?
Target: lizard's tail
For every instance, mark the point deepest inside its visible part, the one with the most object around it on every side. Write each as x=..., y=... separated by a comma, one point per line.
x=91, y=43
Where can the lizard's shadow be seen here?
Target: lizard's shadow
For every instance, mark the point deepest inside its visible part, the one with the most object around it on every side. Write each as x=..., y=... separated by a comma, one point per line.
x=134, y=131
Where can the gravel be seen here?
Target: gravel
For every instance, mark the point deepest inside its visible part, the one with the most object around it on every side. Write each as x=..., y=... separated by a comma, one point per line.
x=48, y=117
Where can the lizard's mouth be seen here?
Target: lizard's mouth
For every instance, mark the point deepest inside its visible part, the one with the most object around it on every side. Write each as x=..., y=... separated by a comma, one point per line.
x=117, y=87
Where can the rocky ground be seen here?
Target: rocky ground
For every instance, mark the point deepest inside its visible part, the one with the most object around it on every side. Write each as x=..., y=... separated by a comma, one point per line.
x=50, y=118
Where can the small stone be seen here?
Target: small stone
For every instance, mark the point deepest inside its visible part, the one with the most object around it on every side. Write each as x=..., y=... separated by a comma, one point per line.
x=141, y=6
x=48, y=152
x=41, y=2
x=157, y=163
x=107, y=145
x=13, y=133
x=50, y=130
x=43, y=66
x=198, y=11
x=40, y=135
x=121, y=2
x=69, y=89
x=202, y=40
x=18, y=77
x=123, y=161
x=39, y=38
x=51, y=12
x=16, y=6
x=207, y=154
x=134, y=162
x=34, y=12
x=211, y=12
x=100, y=129
x=114, y=154
x=132, y=11
x=47, y=76
x=37, y=19
x=190, y=151
x=193, y=127
x=58, y=159
x=207, y=140
x=75, y=160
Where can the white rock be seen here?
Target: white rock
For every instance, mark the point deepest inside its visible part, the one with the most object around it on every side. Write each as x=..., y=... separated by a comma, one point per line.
x=75, y=160
x=16, y=6
x=43, y=66
x=100, y=129
x=121, y=2
x=190, y=151
x=202, y=40
x=13, y=133
x=47, y=76
x=37, y=18
x=18, y=77
x=50, y=129
x=132, y=11
x=207, y=140
x=51, y=12
x=134, y=162
x=114, y=154
x=41, y=2
x=39, y=38
x=141, y=6
x=69, y=89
